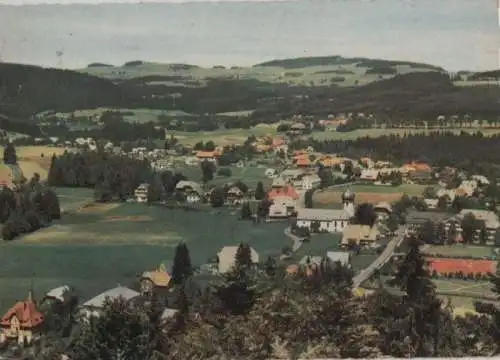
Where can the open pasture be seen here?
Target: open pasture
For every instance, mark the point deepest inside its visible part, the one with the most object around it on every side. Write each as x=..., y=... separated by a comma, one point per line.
x=93, y=254
x=475, y=251
x=463, y=287
x=367, y=193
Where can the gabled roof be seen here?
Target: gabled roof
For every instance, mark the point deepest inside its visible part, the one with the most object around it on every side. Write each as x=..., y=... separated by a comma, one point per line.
x=58, y=293
x=207, y=154
x=360, y=232
x=183, y=184
x=26, y=312
x=157, y=277
x=342, y=256
x=322, y=214
x=287, y=190
x=113, y=294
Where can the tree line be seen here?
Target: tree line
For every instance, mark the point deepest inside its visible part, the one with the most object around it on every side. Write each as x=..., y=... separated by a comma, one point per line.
x=28, y=205
x=260, y=312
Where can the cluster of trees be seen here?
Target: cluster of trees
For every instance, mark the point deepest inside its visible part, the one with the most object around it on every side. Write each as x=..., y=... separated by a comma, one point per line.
x=28, y=205
x=261, y=313
x=112, y=176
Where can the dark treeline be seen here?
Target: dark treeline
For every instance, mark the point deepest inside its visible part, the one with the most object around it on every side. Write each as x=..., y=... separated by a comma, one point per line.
x=258, y=312
x=113, y=177
x=462, y=150
x=26, y=90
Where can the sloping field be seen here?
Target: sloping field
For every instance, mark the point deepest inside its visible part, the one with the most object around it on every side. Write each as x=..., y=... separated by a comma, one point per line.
x=441, y=265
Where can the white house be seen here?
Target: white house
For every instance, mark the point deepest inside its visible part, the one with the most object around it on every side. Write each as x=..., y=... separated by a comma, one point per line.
x=192, y=197
x=271, y=173
x=344, y=257
x=94, y=306
x=227, y=258
x=278, y=211
x=141, y=193
x=330, y=220
x=311, y=181
x=370, y=175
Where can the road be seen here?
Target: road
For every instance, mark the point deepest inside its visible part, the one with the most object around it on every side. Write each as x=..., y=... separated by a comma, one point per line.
x=381, y=260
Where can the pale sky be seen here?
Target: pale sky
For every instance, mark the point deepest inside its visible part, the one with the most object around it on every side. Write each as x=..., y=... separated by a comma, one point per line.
x=67, y=2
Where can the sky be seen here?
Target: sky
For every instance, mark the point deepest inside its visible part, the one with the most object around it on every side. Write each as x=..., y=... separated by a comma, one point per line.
x=455, y=34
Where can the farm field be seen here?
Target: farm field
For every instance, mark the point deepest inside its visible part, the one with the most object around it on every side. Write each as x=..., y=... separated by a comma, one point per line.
x=73, y=198
x=463, y=287
x=474, y=251
x=366, y=193
x=99, y=248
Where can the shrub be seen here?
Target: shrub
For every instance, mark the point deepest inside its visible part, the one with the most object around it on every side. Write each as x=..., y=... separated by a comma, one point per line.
x=224, y=172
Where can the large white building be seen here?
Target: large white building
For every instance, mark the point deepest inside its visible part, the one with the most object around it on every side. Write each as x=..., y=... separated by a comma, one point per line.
x=329, y=220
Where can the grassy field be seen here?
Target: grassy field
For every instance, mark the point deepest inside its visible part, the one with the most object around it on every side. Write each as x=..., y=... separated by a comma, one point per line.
x=93, y=250
x=72, y=198
x=305, y=76
x=464, y=287
x=475, y=251
x=330, y=198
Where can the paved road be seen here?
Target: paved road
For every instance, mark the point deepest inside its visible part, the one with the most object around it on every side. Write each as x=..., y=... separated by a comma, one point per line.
x=297, y=241
x=381, y=260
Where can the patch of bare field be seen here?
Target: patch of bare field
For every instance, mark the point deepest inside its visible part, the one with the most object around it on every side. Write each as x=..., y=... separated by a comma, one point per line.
x=335, y=197
x=97, y=208
x=132, y=218
x=32, y=152
x=69, y=235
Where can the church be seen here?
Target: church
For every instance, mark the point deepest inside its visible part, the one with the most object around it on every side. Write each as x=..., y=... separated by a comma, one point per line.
x=328, y=220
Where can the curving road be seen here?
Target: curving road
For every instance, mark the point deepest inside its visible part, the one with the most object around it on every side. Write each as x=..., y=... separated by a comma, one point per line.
x=381, y=260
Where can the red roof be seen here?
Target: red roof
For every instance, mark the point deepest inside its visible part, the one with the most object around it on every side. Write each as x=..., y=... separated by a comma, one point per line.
x=466, y=266
x=278, y=141
x=287, y=190
x=27, y=314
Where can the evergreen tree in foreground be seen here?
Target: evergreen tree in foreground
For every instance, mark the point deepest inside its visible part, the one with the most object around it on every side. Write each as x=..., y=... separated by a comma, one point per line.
x=259, y=191
x=243, y=258
x=182, y=268
x=9, y=154
x=423, y=307
x=246, y=212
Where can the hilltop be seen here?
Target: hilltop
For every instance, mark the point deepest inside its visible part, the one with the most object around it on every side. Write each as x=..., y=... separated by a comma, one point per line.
x=395, y=90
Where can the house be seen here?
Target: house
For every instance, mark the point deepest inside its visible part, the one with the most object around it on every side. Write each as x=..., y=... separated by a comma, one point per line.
x=383, y=210
x=191, y=161
x=286, y=191
x=289, y=175
x=328, y=220
x=278, y=182
x=159, y=278
x=303, y=162
x=369, y=175
x=234, y=193
x=192, y=197
x=310, y=182
x=468, y=187
x=212, y=156
x=94, y=306
x=360, y=235
x=311, y=260
x=226, y=258
x=189, y=186
x=277, y=211
x=449, y=193
x=416, y=219
x=490, y=219
x=141, y=193
x=431, y=203
x=271, y=173
x=23, y=322
x=343, y=257
x=481, y=180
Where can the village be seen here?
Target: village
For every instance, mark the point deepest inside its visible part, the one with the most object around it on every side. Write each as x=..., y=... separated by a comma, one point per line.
x=312, y=194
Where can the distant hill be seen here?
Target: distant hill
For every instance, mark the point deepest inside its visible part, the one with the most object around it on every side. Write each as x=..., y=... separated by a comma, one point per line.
x=415, y=95
x=484, y=75
x=302, y=62
x=26, y=90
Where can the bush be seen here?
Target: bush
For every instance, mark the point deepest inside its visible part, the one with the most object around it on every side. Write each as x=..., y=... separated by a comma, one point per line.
x=224, y=172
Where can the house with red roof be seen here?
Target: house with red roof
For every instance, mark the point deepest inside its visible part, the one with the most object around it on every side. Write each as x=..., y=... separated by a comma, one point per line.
x=287, y=190
x=22, y=322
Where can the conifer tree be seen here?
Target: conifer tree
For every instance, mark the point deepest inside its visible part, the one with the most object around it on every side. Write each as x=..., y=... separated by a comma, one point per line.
x=182, y=268
x=243, y=258
x=246, y=212
x=259, y=191
x=421, y=302
x=9, y=154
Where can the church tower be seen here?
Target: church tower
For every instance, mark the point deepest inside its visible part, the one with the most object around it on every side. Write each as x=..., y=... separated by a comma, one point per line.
x=348, y=202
